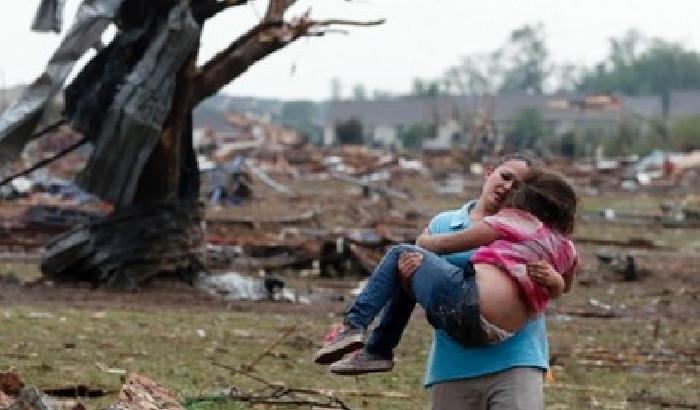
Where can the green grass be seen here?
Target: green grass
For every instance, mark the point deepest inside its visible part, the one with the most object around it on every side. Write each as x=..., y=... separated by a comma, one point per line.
x=53, y=346
x=64, y=347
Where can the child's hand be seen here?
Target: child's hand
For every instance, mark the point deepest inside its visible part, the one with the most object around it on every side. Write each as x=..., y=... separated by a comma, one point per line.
x=544, y=274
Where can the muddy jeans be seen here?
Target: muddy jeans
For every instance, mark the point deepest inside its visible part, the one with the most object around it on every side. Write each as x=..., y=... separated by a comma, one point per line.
x=519, y=388
x=448, y=294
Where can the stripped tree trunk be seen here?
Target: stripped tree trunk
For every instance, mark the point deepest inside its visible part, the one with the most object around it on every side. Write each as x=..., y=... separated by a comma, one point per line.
x=160, y=233
x=130, y=247
x=156, y=227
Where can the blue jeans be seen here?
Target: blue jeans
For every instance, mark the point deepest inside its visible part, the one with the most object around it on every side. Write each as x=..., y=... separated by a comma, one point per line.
x=447, y=293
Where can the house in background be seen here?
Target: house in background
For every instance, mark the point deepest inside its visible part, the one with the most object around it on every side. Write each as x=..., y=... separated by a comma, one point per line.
x=455, y=120
x=683, y=104
x=384, y=121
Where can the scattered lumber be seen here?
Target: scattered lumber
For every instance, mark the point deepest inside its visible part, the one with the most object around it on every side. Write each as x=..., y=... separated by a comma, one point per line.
x=139, y=392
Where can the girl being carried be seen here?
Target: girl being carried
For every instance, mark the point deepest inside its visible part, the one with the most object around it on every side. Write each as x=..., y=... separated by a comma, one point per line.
x=491, y=297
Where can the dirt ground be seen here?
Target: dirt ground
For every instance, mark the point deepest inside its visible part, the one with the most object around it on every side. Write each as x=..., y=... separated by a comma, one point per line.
x=663, y=273
x=613, y=343
x=612, y=338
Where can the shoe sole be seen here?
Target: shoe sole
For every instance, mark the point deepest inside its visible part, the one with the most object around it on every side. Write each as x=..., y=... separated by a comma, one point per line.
x=349, y=345
x=355, y=372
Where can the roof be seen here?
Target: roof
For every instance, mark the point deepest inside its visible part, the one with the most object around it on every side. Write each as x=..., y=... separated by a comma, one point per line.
x=504, y=107
x=400, y=111
x=684, y=103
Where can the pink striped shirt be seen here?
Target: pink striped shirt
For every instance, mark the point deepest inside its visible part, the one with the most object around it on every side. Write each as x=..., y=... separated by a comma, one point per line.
x=524, y=239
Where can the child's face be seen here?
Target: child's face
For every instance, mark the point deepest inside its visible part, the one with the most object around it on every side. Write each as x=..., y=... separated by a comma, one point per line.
x=500, y=182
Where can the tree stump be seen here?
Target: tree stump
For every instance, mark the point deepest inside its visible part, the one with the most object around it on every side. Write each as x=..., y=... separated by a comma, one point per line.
x=127, y=248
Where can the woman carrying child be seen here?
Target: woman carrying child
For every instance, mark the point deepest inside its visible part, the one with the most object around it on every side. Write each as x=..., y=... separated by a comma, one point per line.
x=487, y=300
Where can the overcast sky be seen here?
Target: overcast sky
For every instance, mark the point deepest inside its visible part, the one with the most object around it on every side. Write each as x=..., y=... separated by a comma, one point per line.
x=421, y=38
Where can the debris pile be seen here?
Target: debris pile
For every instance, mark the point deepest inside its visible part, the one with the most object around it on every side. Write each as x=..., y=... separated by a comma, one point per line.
x=272, y=202
x=137, y=393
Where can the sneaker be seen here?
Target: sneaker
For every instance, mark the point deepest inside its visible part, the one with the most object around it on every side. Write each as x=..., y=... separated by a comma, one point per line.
x=361, y=362
x=340, y=341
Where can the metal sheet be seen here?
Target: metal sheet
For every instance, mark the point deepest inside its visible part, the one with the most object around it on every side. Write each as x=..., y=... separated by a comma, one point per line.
x=133, y=124
x=19, y=120
x=49, y=16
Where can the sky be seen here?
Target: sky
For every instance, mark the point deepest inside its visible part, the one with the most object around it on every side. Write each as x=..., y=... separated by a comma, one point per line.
x=421, y=38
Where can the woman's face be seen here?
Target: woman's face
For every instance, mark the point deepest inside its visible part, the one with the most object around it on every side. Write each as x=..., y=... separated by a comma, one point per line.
x=500, y=182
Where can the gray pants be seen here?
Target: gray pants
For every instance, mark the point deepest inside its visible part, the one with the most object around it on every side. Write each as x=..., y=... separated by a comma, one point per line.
x=520, y=388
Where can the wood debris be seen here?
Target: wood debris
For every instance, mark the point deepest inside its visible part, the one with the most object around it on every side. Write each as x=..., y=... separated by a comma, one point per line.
x=140, y=392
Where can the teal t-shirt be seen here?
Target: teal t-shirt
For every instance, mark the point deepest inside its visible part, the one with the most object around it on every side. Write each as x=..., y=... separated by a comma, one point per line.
x=449, y=360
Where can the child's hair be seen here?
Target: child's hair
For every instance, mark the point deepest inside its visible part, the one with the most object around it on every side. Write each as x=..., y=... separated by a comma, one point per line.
x=547, y=196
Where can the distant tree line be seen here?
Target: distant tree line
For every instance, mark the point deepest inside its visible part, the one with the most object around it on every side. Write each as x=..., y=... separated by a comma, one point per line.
x=635, y=65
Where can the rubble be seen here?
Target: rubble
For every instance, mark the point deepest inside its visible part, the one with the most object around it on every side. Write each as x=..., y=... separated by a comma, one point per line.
x=619, y=265
x=139, y=392
x=262, y=215
x=271, y=201
x=31, y=398
x=11, y=383
x=5, y=400
x=233, y=286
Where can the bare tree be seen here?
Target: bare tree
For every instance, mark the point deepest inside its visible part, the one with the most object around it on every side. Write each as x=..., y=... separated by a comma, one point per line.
x=142, y=160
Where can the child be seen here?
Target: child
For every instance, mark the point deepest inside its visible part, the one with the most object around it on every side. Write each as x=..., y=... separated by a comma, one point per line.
x=493, y=296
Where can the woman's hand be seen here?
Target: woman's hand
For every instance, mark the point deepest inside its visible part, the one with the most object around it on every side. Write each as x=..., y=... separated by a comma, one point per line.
x=407, y=266
x=422, y=237
x=544, y=274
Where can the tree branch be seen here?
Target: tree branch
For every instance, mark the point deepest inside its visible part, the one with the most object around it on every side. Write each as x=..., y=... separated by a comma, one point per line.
x=262, y=40
x=276, y=9
x=340, y=22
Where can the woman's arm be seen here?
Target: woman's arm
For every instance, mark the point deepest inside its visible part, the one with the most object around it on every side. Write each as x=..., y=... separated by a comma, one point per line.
x=479, y=234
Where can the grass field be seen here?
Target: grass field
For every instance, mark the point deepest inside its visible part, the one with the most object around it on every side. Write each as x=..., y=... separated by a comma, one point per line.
x=643, y=354
x=597, y=363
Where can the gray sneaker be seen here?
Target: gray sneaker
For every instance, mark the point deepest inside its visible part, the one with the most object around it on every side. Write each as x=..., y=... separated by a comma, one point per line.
x=361, y=362
x=339, y=342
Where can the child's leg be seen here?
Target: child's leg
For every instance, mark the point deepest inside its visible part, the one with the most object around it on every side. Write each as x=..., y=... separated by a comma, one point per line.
x=379, y=289
x=378, y=353
x=393, y=320
x=450, y=297
x=436, y=285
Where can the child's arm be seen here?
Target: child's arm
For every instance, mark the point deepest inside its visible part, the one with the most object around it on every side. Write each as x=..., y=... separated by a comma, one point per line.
x=544, y=274
x=569, y=277
x=479, y=234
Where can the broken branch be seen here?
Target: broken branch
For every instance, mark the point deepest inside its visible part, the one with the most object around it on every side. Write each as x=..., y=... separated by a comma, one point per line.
x=251, y=365
x=341, y=22
x=268, y=36
x=276, y=9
